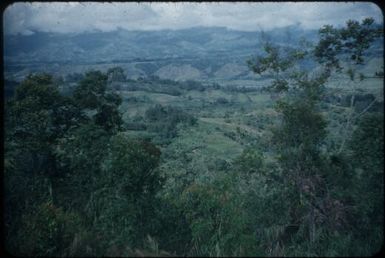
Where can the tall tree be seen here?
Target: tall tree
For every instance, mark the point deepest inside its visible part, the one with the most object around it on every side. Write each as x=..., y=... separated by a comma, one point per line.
x=343, y=50
x=91, y=95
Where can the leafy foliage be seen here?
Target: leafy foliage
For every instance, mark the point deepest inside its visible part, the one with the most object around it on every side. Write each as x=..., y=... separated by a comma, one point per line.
x=232, y=174
x=350, y=41
x=165, y=119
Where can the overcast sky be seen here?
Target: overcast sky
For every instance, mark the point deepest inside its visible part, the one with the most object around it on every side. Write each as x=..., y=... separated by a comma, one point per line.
x=25, y=18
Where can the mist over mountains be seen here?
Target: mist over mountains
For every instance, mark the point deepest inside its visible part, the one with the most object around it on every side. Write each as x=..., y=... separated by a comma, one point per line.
x=198, y=53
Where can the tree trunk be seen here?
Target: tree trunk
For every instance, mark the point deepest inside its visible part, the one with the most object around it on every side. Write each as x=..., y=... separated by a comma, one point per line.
x=311, y=225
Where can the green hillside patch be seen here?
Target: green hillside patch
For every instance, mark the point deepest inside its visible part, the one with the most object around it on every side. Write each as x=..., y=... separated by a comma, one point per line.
x=211, y=141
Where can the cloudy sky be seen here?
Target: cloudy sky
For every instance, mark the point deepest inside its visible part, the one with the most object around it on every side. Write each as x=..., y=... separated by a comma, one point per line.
x=26, y=18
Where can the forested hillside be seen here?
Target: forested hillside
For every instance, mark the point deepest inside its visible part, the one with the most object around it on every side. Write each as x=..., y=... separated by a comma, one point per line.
x=270, y=145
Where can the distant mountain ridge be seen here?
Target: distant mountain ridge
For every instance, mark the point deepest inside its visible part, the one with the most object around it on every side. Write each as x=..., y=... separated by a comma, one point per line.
x=206, y=52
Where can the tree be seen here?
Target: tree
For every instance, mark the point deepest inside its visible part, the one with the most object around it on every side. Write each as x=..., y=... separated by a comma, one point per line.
x=109, y=117
x=80, y=154
x=35, y=119
x=343, y=50
x=70, y=180
x=321, y=188
x=298, y=136
x=124, y=204
x=164, y=120
x=91, y=89
x=116, y=74
x=367, y=144
x=91, y=94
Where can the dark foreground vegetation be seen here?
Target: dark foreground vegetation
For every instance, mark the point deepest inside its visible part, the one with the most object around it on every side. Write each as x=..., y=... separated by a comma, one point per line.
x=115, y=167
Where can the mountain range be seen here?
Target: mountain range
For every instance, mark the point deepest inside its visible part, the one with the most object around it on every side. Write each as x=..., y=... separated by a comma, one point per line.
x=198, y=53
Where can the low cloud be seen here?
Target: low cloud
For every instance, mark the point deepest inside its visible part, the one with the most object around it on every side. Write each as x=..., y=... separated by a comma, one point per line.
x=27, y=18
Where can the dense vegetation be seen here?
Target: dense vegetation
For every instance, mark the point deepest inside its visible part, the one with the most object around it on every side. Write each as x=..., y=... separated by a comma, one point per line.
x=101, y=165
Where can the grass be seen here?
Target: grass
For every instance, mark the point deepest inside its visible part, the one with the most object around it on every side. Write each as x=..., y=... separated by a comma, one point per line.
x=214, y=143
x=217, y=133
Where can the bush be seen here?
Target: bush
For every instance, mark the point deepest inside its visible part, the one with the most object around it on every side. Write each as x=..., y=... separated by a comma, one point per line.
x=222, y=101
x=164, y=120
x=217, y=221
x=48, y=230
